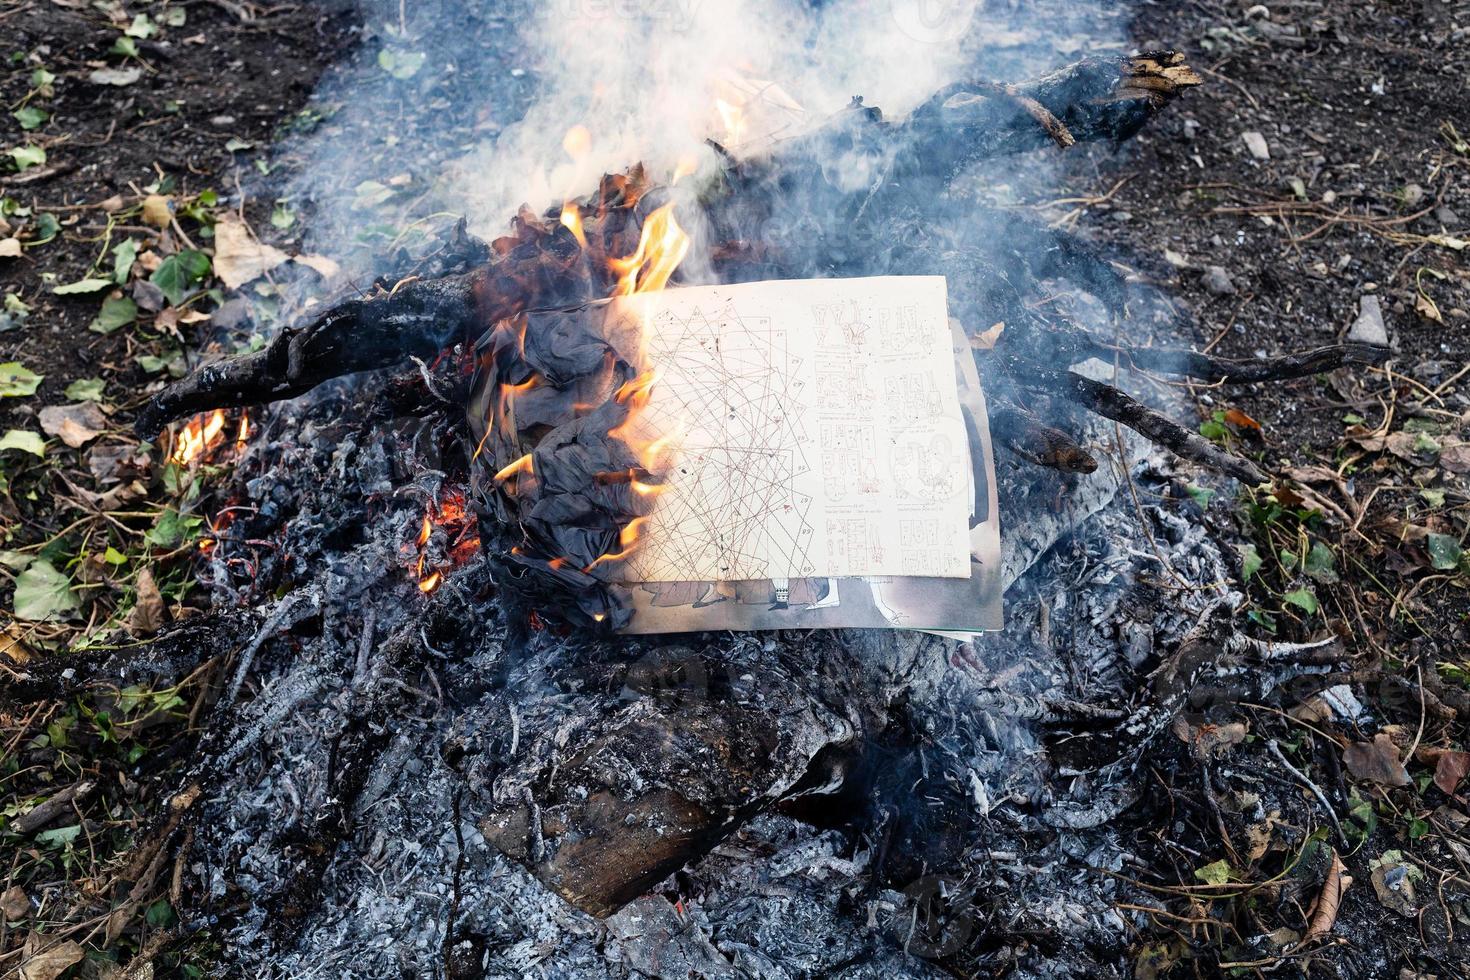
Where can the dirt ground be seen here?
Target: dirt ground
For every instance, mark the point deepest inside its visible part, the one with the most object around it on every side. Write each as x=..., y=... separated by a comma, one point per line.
x=1359, y=199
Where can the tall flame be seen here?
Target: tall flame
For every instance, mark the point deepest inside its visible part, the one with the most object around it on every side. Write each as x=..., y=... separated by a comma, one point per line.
x=662, y=245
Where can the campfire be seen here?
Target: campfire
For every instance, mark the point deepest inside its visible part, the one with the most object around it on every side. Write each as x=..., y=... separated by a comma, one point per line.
x=442, y=564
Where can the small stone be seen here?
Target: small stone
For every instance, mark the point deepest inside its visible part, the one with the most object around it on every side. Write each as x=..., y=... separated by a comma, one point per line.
x=1369, y=328
x=1445, y=216
x=1191, y=129
x=1412, y=194
x=220, y=122
x=1176, y=259
x=1256, y=143
x=1218, y=281
x=1329, y=196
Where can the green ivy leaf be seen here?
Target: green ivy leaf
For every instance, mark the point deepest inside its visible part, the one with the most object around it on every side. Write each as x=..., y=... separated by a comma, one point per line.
x=1444, y=549
x=27, y=156
x=401, y=64
x=26, y=442
x=1250, y=560
x=86, y=390
x=82, y=286
x=142, y=27
x=43, y=593
x=30, y=117
x=123, y=256
x=117, y=312
x=1303, y=599
x=17, y=381
x=1200, y=495
x=1215, y=873
x=1321, y=564
x=60, y=836
x=178, y=274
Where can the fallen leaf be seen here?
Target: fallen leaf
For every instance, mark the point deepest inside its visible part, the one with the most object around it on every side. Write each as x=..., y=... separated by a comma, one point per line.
x=75, y=425
x=319, y=264
x=53, y=962
x=115, y=76
x=18, y=381
x=14, y=904
x=25, y=441
x=1208, y=740
x=147, y=616
x=1452, y=767
x=156, y=211
x=1393, y=882
x=9, y=248
x=238, y=257
x=1426, y=307
x=12, y=644
x=42, y=593
x=82, y=286
x=85, y=390
x=1454, y=455
x=1241, y=420
x=1376, y=761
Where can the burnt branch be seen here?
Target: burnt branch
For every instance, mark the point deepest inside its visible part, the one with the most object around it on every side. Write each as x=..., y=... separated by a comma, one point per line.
x=1112, y=403
x=420, y=319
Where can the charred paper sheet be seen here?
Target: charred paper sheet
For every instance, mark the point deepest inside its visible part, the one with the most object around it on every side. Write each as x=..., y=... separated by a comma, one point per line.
x=816, y=453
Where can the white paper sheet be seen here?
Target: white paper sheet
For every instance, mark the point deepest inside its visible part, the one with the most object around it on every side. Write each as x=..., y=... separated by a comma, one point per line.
x=817, y=431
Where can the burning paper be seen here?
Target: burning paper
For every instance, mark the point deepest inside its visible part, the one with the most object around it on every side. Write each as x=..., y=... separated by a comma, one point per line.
x=752, y=456
x=813, y=429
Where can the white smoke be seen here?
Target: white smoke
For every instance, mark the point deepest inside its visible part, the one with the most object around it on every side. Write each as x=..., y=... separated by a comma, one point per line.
x=649, y=80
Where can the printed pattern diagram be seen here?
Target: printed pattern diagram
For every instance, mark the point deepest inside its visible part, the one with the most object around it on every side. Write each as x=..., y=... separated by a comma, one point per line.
x=729, y=390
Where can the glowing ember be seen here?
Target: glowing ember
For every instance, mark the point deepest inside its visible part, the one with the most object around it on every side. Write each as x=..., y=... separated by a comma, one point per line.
x=451, y=515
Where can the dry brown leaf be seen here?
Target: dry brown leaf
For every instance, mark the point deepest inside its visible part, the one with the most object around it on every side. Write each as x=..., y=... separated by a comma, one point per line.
x=1377, y=761
x=51, y=963
x=1208, y=740
x=14, y=904
x=75, y=425
x=156, y=211
x=9, y=248
x=12, y=645
x=1452, y=767
x=147, y=616
x=1454, y=455
x=319, y=264
x=238, y=257
x=985, y=339
x=1241, y=420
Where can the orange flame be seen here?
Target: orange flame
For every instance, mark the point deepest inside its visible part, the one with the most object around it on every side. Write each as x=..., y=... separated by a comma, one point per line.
x=571, y=217
x=522, y=465
x=197, y=436
x=627, y=541
x=662, y=245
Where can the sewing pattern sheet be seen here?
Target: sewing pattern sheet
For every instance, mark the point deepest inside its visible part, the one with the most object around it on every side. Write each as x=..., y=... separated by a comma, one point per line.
x=816, y=427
